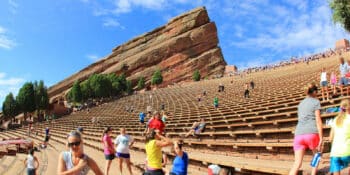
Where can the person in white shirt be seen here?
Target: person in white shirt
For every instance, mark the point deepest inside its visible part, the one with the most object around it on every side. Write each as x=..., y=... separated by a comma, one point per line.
x=324, y=84
x=124, y=142
x=343, y=69
x=30, y=161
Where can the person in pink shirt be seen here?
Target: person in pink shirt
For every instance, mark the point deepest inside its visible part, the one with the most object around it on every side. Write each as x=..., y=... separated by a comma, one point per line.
x=108, y=148
x=334, y=82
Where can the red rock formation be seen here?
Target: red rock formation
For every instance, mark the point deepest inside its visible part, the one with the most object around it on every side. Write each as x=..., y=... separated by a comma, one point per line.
x=186, y=43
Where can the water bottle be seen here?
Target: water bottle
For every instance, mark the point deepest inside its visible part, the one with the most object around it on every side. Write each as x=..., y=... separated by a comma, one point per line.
x=316, y=159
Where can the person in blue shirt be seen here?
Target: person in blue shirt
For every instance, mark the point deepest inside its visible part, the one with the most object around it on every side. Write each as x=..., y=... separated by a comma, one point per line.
x=180, y=162
x=142, y=117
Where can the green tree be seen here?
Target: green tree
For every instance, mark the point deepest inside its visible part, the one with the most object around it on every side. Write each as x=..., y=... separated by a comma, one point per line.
x=100, y=85
x=157, y=77
x=26, y=98
x=86, y=90
x=196, y=75
x=41, y=96
x=75, y=94
x=129, y=89
x=114, y=80
x=341, y=12
x=10, y=107
x=141, y=83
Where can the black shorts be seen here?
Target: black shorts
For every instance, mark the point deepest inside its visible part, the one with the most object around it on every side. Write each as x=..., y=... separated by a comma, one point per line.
x=109, y=156
x=154, y=172
x=47, y=138
x=142, y=121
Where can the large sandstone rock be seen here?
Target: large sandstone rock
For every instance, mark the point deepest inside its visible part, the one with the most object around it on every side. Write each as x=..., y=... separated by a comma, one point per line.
x=186, y=43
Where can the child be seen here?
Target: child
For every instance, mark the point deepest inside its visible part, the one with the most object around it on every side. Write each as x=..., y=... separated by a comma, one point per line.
x=340, y=134
x=29, y=162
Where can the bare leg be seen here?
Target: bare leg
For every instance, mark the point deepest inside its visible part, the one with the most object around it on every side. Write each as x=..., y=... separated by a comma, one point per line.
x=121, y=165
x=128, y=163
x=298, y=156
x=189, y=133
x=108, y=165
x=322, y=92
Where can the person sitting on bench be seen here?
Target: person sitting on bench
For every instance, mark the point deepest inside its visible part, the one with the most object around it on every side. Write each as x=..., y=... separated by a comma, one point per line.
x=197, y=128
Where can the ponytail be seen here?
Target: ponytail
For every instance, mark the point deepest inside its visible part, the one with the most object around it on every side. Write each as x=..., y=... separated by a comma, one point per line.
x=344, y=106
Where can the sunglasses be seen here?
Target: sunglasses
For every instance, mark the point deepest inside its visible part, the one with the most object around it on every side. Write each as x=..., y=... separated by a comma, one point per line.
x=74, y=144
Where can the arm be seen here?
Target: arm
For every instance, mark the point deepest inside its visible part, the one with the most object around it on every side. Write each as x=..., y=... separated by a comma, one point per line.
x=132, y=142
x=25, y=161
x=62, y=169
x=319, y=127
x=164, y=141
x=108, y=146
x=37, y=162
x=92, y=164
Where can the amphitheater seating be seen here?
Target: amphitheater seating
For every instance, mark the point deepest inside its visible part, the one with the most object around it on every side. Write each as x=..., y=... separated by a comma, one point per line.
x=242, y=133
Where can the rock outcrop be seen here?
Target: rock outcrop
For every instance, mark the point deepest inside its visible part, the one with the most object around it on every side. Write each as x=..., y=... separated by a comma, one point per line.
x=186, y=43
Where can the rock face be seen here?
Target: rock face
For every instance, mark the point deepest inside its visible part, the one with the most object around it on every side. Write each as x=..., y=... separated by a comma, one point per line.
x=185, y=43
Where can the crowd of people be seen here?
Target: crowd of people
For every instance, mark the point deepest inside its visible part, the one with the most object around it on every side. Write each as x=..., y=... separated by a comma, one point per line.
x=308, y=135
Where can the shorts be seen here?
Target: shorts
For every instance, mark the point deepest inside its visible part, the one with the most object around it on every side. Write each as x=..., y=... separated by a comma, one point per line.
x=197, y=131
x=154, y=172
x=343, y=81
x=47, y=138
x=339, y=163
x=123, y=155
x=142, y=121
x=324, y=83
x=216, y=105
x=109, y=156
x=30, y=171
x=306, y=141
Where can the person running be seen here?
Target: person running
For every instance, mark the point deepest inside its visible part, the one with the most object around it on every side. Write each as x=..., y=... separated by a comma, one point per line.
x=343, y=68
x=308, y=132
x=197, y=128
x=324, y=84
x=142, y=117
x=334, y=82
x=340, y=151
x=154, y=144
x=75, y=161
x=216, y=102
x=246, y=91
x=108, y=148
x=30, y=161
x=180, y=162
x=124, y=142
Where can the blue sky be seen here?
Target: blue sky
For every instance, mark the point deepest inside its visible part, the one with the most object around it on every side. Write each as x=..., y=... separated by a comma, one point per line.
x=52, y=39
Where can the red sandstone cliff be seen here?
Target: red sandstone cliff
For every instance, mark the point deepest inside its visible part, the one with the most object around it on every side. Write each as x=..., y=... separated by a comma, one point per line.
x=185, y=43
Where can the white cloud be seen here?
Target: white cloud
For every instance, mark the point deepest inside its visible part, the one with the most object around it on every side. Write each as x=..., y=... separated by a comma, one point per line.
x=125, y=6
x=93, y=57
x=13, y=6
x=110, y=22
x=311, y=32
x=9, y=84
x=5, y=41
